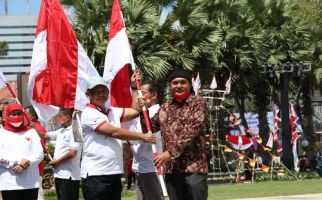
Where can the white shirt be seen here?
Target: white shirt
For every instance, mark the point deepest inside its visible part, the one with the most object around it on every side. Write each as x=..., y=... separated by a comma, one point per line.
x=64, y=142
x=102, y=155
x=15, y=147
x=143, y=155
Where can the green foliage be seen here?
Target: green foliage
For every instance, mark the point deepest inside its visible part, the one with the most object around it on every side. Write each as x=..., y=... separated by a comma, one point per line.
x=3, y=48
x=51, y=150
x=219, y=37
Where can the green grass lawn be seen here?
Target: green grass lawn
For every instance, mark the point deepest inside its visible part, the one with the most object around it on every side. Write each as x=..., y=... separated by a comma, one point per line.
x=246, y=190
x=265, y=189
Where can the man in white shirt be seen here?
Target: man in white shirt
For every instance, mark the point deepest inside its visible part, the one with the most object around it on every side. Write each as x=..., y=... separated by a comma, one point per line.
x=147, y=184
x=67, y=154
x=102, y=161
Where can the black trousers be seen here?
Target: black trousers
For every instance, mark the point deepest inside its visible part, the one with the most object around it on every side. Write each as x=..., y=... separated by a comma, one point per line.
x=105, y=187
x=28, y=194
x=67, y=189
x=184, y=186
x=129, y=180
x=148, y=187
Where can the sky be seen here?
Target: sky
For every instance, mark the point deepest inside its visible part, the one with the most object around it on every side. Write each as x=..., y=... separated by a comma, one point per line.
x=19, y=7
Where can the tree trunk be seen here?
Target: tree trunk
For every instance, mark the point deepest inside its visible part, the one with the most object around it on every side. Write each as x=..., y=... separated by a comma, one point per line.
x=261, y=103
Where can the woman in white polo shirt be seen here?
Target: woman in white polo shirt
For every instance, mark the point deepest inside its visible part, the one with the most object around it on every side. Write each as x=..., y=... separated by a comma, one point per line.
x=102, y=159
x=20, y=152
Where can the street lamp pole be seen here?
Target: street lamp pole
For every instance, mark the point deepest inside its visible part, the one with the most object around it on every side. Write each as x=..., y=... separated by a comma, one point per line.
x=288, y=159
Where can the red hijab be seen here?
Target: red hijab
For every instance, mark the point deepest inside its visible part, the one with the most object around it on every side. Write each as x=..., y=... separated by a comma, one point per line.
x=8, y=126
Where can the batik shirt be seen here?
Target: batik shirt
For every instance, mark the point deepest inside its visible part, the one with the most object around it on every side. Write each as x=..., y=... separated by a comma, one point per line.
x=182, y=128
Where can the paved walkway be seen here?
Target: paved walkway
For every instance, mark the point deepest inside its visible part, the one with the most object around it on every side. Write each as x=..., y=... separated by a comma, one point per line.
x=304, y=196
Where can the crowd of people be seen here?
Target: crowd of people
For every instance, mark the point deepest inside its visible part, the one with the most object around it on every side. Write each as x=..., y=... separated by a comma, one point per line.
x=97, y=162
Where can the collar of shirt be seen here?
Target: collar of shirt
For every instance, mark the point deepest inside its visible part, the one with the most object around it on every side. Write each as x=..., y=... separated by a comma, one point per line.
x=98, y=108
x=187, y=101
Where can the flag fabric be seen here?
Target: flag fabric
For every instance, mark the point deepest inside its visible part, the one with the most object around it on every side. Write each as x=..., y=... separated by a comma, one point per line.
x=60, y=67
x=196, y=84
x=228, y=85
x=240, y=156
x=276, y=121
x=213, y=84
x=296, y=126
x=279, y=148
x=117, y=60
x=239, y=142
x=3, y=80
x=270, y=141
x=251, y=162
x=77, y=128
x=250, y=132
x=266, y=148
x=228, y=150
x=265, y=168
x=259, y=139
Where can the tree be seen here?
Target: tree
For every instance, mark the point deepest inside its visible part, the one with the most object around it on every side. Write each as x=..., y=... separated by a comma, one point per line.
x=3, y=48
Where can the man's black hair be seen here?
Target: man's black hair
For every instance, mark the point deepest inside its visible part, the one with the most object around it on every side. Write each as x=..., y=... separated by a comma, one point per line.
x=32, y=112
x=67, y=111
x=153, y=87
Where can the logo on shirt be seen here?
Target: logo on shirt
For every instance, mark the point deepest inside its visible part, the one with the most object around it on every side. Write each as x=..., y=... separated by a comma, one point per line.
x=27, y=138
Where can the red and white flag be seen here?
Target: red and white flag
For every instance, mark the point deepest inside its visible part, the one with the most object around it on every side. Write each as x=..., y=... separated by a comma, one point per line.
x=60, y=67
x=213, y=84
x=118, y=57
x=196, y=84
x=228, y=85
x=296, y=126
x=276, y=121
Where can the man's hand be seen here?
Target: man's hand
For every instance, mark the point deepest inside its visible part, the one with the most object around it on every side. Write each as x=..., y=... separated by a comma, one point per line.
x=141, y=102
x=24, y=163
x=149, y=137
x=18, y=168
x=134, y=78
x=53, y=163
x=162, y=159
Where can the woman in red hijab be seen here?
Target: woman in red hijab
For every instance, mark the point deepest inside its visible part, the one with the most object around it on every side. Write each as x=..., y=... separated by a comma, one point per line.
x=20, y=153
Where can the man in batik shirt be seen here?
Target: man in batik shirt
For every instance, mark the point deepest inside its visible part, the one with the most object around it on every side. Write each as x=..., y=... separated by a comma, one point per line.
x=182, y=122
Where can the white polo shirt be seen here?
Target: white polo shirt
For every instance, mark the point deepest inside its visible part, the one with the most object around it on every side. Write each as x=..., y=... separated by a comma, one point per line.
x=143, y=156
x=15, y=147
x=102, y=155
x=64, y=141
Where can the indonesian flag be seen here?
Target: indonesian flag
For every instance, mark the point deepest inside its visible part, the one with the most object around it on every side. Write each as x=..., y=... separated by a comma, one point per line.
x=196, y=84
x=295, y=128
x=277, y=120
x=213, y=84
x=118, y=56
x=60, y=67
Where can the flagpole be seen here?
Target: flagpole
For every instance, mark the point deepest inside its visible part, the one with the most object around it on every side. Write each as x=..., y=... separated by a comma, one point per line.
x=149, y=129
x=28, y=120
